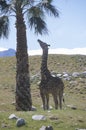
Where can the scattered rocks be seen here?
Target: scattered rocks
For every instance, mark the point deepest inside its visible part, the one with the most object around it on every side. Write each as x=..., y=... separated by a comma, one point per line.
x=20, y=122
x=64, y=76
x=38, y=117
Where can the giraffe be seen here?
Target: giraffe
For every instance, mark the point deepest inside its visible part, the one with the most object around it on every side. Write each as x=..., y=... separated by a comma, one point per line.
x=49, y=84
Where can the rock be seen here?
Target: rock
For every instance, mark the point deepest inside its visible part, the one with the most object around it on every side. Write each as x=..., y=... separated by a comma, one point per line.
x=67, y=78
x=13, y=103
x=83, y=74
x=20, y=122
x=72, y=107
x=3, y=125
x=75, y=74
x=46, y=128
x=2, y=103
x=65, y=75
x=49, y=128
x=73, y=82
x=38, y=117
x=13, y=116
x=54, y=118
x=59, y=75
x=43, y=128
x=38, y=83
x=33, y=108
x=50, y=107
x=53, y=73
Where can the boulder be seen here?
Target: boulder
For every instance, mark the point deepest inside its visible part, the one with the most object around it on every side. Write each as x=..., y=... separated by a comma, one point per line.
x=38, y=117
x=75, y=74
x=83, y=74
x=49, y=128
x=20, y=122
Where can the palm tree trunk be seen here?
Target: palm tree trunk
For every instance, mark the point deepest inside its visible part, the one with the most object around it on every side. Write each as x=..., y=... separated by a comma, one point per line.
x=23, y=95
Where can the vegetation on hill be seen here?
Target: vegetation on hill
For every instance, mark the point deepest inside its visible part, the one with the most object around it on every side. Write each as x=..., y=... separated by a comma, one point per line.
x=75, y=94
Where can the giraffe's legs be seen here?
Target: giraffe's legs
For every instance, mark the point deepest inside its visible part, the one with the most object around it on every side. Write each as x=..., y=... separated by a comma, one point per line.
x=47, y=101
x=43, y=100
x=60, y=99
x=55, y=101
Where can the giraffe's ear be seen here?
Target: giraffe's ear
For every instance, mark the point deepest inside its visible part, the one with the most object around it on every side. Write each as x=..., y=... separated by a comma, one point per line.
x=48, y=46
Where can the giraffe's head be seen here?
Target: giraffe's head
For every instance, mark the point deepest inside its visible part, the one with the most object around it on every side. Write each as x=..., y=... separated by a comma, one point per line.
x=43, y=44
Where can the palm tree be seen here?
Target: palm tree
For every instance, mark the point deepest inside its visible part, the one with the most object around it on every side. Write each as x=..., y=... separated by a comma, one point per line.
x=34, y=12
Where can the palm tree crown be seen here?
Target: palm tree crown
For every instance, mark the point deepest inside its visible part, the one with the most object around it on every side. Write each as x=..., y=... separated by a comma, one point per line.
x=34, y=11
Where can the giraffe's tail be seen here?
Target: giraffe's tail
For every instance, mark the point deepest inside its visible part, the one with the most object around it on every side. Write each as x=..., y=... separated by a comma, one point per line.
x=63, y=100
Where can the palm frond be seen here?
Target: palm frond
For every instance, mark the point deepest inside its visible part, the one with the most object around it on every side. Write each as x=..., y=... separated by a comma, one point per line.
x=4, y=26
x=4, y=6
x=38, y=24
x=35, y=11
x=49, y=8
x=35, y=20
x=52, y=10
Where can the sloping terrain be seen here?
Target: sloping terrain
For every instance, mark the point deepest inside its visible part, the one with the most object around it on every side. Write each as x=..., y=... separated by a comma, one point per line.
x=73, y=114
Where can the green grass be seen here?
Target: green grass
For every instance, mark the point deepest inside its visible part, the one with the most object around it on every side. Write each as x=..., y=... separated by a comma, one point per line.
x=60, y=119
x=66, y=119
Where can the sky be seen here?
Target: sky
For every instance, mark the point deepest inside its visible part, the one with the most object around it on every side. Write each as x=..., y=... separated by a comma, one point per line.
x=67, y=31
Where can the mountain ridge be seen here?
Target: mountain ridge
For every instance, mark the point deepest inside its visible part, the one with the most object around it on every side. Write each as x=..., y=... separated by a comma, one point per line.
x=75, y=51
x=7, y=53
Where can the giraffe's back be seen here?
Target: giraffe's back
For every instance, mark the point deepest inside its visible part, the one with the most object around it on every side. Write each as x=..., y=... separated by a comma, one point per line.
x=52, y=85
x=55, y=85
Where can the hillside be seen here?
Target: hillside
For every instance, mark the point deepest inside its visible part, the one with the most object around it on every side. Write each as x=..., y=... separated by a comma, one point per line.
x=56, y=63
x=75, y=91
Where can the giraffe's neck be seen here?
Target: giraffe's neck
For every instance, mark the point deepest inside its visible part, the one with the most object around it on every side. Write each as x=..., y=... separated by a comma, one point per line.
x=45, y=74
